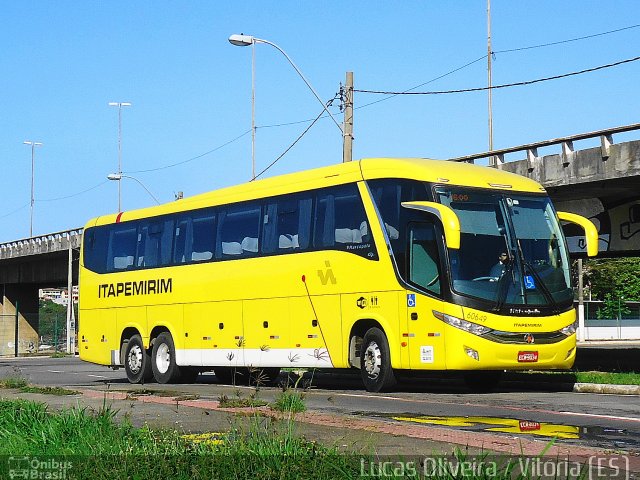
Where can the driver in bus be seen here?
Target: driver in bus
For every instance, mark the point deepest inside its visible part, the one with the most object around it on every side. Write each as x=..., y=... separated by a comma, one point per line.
x=498, y=269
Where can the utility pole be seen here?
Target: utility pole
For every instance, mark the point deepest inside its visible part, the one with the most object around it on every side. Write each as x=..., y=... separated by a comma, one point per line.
x=489, y=80
x=347, y=145
x=33, y=155
x=71, y=324
x=581, y=329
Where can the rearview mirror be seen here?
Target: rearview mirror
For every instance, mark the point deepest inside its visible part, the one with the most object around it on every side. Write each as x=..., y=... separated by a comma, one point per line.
x=449, y=219
x=590, y=230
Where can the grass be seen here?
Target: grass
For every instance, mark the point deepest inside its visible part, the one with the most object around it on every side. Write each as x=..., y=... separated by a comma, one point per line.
x=252, y=401
x=614, y=378
x=178, y=396
x=47, y=390
x=59, y=355
x=289, y=401
x=99, y=447
x=21, y=384
x=13, y=382
x=92, y=444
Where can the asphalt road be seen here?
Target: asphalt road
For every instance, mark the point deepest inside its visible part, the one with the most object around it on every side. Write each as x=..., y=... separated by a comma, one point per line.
x=596, y=420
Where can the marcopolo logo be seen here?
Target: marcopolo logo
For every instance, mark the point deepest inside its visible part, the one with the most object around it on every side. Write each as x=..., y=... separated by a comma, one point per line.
x=39, y=468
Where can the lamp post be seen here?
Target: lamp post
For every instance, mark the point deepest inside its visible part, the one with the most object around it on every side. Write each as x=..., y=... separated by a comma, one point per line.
x=119, y=105
x=119, y=176
x=242, y=40
x=33, y=156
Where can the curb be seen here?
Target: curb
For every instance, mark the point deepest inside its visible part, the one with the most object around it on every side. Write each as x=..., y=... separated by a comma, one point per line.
x=606, y=388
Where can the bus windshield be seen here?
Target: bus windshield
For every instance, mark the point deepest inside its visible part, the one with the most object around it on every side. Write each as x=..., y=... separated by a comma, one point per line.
x=512, y=250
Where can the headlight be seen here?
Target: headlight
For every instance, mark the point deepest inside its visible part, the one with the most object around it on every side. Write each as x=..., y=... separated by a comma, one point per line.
x=570, y=329
x=462, y=324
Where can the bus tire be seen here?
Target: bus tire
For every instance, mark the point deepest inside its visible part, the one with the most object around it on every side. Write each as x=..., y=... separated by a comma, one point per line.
x=375, y=362
x=137, y=363
x=163, y=359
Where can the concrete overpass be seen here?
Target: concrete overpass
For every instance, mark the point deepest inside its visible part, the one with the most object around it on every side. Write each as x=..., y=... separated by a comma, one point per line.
x=27, y=265
x=600, y=183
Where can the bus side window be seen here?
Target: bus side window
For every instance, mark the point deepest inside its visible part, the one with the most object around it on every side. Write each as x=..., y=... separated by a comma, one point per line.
x=202, y=243
x=287, y=225
x=155, y=242
x=95, y=248
x=423, y=257
x=183, y=237
x=341, y=222
x=123, y=240
x=238, y=231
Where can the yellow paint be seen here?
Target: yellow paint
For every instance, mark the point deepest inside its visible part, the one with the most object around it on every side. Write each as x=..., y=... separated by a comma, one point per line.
x=497, y=424
x=209, y=438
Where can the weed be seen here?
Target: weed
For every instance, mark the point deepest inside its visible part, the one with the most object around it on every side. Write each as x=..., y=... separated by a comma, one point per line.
x=47, y=390
x=13, y=382
x=289, y=401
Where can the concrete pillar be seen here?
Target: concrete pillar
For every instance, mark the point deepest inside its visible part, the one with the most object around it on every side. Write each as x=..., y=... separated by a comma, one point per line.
x=26, y=297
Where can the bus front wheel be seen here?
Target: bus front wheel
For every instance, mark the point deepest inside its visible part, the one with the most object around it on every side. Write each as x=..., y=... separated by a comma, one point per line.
x=163, y=359
x=137, y=363
x=375, y=362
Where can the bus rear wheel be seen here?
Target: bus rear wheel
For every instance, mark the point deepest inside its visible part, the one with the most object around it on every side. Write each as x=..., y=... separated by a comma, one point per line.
x=137, y=363
x=163, y=359
x=375, y=362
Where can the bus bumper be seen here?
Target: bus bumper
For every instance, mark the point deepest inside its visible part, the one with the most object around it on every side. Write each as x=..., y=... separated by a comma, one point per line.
x=465, y=351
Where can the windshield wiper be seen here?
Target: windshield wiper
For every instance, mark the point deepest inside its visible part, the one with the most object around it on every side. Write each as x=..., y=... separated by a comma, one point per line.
x=503, y=285
x=539, y=282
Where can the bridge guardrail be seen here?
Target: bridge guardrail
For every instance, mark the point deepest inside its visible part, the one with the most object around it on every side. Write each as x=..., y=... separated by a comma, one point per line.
x=51, y=242
x=496, y=157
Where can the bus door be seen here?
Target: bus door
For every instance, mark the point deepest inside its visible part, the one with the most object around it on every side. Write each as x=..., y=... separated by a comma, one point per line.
x=424, y=272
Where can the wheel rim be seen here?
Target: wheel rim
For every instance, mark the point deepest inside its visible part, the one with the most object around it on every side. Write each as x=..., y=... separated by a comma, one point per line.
x=163, y=358
x=372, y=360
x=134, y=360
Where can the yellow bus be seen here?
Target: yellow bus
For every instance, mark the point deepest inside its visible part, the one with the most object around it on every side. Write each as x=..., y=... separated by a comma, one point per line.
x=381, y=265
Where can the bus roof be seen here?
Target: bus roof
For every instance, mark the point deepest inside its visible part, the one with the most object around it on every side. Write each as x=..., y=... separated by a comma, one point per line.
x=435, y=171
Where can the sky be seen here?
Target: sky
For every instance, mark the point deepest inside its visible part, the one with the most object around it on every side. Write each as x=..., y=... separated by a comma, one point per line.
x=188, y=129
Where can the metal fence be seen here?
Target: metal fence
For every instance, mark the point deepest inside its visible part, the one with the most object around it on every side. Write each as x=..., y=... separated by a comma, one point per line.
x=35, y=333
x=622, y=325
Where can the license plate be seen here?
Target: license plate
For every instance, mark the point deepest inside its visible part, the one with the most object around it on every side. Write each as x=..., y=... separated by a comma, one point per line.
x=527, y=357
x=527, y=426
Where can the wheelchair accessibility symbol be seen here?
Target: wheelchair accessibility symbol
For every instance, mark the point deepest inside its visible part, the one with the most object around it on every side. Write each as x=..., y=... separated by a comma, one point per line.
x=411, y=300
x=529, y=282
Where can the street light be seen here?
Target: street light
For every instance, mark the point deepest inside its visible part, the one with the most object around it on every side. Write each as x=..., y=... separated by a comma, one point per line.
x=119, y=176
x=119, y=105
x=33, y=155
x=242, y=40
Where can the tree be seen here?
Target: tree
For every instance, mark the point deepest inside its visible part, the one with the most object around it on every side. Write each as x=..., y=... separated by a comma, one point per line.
x=52, y=315
x=614, y=278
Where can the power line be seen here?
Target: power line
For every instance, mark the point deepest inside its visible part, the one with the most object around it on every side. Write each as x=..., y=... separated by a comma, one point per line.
x=566, y=41
x=14, y=211
x=320, y=115
x=72, y=195
x=192, y=158
x=506, y=85
x=422, y=84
